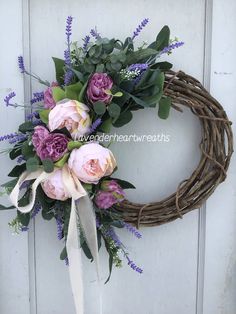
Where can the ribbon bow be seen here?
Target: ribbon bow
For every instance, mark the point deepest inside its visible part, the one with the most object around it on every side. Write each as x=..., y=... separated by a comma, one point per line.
x=84, y=209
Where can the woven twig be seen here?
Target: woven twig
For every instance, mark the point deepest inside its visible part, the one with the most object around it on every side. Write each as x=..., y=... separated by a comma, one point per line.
x=216, y=147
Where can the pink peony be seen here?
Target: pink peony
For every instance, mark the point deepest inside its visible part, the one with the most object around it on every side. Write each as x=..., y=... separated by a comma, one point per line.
x=40, y=133
x=72, y=115
x=91, y=162
x=105, y=200
x=53, y=147
x=98, y=83
x=49, y=101
x=54, y=188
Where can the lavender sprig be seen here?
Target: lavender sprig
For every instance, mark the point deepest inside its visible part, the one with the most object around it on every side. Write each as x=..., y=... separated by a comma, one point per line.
x=67, y=261
x=95, y=125
x=8, y=98
x=59, y=229
x=67, y=53
x=18, y=138
x=133, y=265
x=172, y=46
x=7, y=137
x=21, y=64
x=132, y=230
x=20, y=159
x=139, y=28
x=86, y=41
x=37, y=97
x=95, y=33
x=36, y=210
x=110, y=232
x=69, y=28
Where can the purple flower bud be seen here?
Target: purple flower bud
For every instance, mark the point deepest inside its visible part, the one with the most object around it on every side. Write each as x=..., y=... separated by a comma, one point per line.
x=8, y=98
x=21, y=64
x=139, y=28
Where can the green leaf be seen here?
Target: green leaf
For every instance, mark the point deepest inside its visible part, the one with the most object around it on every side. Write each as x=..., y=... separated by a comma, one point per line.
x=14, y=153
x=139, y=55
x=32, y=164
x=59, y=66
x=73, y=91
x=43, y=114
x=26, y=127
x=86, y=250
x=82, y=91
x=47, y=215
x=124, y=118
x=27, y=150
x=17, y=171
x=63, y=254
x=73, y=144
x=114, y=110
x=60, y=163
x=99, y=107
x=139, y=101
x=163, y=66
x=110, y=261
x=48, y=165
x=163, y=38
x=2, y=207
x=58, y=93
x=164, y=107
x=106, y=126
x=23, y=218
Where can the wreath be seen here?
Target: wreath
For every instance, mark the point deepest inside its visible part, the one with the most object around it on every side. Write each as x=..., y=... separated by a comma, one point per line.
x=64, y=173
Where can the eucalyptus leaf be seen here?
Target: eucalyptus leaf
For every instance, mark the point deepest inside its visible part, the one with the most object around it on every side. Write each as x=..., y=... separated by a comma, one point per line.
x=164, y=107
x=114, y=110
x=48, y=165
x=124, y=118
x=32, y=164
x=99, y=107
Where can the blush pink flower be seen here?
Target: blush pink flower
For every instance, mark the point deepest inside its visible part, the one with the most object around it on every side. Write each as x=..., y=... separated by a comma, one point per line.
x=91, y=162
x=49, y=101
x=53, y=147
x=97, y=86
x=72, y=115
x=40, y=133
x=54, y=188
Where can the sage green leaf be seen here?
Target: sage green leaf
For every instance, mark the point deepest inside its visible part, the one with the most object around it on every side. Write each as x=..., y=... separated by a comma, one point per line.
x=43, y=114
x=17, y=171
x=48, y=165
x=114, y=110
x=73, y=91
x=99, y=107
x=106, y=126
x=124, y=118
x=27, y=150
x=59, y=66
x=32, y=164
x=58, y=93
x=139, y=55
x=26, y=127
x=63, y=254
x=164, y=107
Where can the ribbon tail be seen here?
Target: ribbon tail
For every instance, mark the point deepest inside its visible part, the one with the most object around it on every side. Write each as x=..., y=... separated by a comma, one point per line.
x=75, y=262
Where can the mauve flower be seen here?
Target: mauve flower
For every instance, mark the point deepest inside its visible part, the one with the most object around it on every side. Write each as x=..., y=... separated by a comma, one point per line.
x=105, y=200
x=40, y=133
x=112, y=186
x=54, y=188
x=53, y=147
x=49, y=102
x=98, y=83
x=72, y=115
x=91, y=162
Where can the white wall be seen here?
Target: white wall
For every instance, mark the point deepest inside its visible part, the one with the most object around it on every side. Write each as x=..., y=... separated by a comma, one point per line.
x=173, y=255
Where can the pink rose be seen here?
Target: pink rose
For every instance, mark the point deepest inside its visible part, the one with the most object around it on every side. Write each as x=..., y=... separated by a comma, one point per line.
x=98, y=83
x=49, y=102
x=72, y=115
x=91, y=162
x=40, y=133
x=54, y=188
x=105, y=200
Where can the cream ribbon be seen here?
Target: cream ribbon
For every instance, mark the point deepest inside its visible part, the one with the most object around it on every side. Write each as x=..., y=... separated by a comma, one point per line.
x=87, y=219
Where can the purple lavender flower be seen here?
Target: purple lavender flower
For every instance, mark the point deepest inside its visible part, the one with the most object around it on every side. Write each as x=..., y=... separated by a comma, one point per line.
x=95, y=33
x=134, y=266
x=86, y=41
x=68, y=28
x=32, y=115
x=8, y=98
x=113, y=236
x=24, y=228
x=172, y=46
x=139, y=28
x=20, y=159
x=7, y=137
x=95, y=125
x=138, y=66
x=21, y=64
x=59, y=229
x=37, y=97
x=132, y=229
x=36, y=210
x=67, y=261
x=18, y=138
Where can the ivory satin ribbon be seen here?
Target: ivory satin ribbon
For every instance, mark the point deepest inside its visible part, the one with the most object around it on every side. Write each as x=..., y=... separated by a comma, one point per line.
x=87, y=219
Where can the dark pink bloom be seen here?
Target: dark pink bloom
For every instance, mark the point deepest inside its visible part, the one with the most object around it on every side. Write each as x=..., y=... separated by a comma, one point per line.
x=49, y=102
x=98, y=83
x=105, y=200
x=53, y=147
x=40, y=133
x=112, y=186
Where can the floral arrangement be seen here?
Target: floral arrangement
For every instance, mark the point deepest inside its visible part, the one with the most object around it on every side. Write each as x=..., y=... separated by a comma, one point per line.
x=97, y=86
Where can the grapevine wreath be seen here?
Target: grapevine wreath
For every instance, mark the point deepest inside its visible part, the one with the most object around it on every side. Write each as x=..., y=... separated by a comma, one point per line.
x=65, y=174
